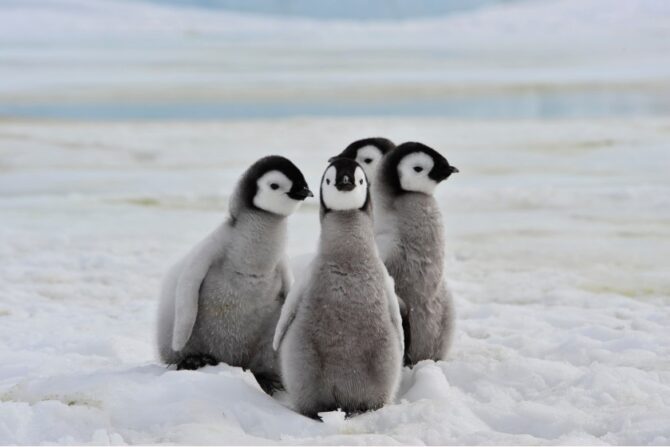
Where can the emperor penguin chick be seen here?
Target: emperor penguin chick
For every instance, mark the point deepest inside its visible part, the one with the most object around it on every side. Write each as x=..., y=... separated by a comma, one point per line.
x=339, y=336
x=368, y=152
x=222, y=301
x=410, y=236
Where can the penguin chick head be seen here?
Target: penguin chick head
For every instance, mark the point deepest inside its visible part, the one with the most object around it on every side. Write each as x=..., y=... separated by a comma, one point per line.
x=274, y=184
x=415, y=167
x=344, y=186
x=368, y=153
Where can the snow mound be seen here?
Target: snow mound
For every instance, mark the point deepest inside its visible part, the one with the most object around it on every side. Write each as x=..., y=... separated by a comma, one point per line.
x=557, y=244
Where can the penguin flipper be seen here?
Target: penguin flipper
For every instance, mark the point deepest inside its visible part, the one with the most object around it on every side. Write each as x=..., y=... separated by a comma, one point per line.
x=194, y=268
x=290, y=307
x=394, y=308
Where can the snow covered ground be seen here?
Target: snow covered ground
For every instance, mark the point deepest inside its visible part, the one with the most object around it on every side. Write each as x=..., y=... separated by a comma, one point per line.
x=558, y=229
x=558, y=247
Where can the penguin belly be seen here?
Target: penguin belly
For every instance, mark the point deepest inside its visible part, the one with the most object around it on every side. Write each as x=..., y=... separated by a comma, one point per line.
x=344, y=346
x=234, y=312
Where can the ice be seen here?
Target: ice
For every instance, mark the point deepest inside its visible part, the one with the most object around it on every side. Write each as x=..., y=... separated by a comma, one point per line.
x=557, y=247
x=100, y=59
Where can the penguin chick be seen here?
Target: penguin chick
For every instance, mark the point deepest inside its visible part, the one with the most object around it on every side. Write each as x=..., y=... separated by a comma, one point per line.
x=222, y=301
x=410, y=236
x=339, y=335
x=368, y=152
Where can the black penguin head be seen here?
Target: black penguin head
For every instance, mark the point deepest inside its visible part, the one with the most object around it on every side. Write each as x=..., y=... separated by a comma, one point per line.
x=415, y=167
x=274, y=184
x=344, y=186
x=368, y=152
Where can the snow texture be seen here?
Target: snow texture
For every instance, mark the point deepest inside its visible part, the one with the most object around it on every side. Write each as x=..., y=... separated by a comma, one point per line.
x=557, y=244
x=558, y=231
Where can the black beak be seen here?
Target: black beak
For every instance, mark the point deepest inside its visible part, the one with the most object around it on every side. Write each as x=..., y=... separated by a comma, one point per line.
x=300, y=194
x=442, y=172
x=344, y=184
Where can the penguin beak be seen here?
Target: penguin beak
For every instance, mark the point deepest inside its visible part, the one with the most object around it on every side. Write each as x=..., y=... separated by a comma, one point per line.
x=300, y=194
x=442, y=172
x=344, y=184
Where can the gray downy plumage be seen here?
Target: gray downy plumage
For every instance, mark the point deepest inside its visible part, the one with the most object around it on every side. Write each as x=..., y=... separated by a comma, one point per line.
x=368, y=152
x=222, y=301
x=339, y=335
x=410, y=235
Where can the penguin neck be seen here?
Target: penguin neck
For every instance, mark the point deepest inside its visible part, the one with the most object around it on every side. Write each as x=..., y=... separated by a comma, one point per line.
x=258, y=242
x=344, y=232
x=414, y=221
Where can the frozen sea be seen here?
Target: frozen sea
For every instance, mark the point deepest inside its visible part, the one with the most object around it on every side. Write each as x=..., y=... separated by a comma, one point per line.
x=558, y=225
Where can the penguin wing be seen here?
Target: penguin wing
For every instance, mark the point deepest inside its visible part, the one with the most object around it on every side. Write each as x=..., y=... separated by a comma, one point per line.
x=194, y=267
x=290, y=308
x=394, y=308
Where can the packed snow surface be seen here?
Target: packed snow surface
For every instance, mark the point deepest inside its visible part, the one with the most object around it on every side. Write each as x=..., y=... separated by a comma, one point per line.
x=558, y=232
x=557, y=252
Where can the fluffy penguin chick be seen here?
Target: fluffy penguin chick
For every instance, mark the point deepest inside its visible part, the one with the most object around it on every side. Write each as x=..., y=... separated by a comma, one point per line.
x=222, y=301
x=368, y=152
x=410, y=236
x=339, y=335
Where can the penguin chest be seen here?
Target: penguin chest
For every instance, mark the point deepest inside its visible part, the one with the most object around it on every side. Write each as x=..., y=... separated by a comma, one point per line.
x=349, y=316
x=234, y=308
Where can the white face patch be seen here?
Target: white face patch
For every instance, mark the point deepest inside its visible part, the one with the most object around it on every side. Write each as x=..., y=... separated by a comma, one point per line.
x=413, y=172
x=271, y=195
x=335, y=199
x=368, y=157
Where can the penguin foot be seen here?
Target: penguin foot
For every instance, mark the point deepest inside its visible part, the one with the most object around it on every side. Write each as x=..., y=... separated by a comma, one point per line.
x=270, y=383
x=362, y=408
x=195, y=361
x=314, y=416
x=351, y=413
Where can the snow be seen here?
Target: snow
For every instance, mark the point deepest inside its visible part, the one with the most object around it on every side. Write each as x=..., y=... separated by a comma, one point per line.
x=558, y=231
x=557, y=246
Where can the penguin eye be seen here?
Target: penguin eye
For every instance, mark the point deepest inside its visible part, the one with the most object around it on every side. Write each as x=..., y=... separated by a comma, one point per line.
x=327, y=181
x=274, y=186
x=418, y=169
x=360, y=181
x=368, y=160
